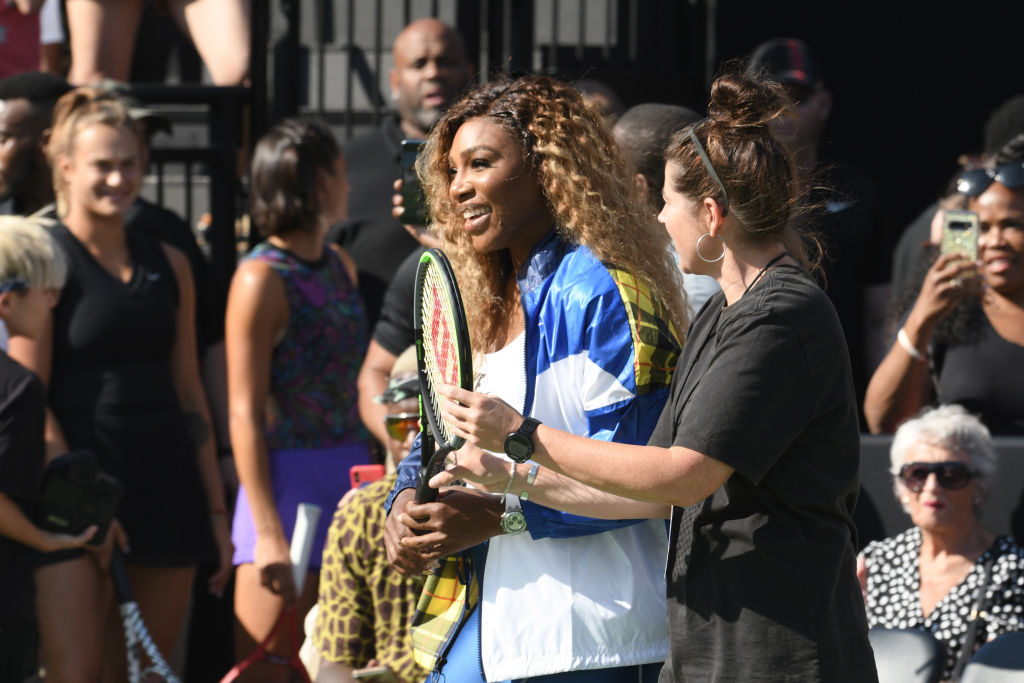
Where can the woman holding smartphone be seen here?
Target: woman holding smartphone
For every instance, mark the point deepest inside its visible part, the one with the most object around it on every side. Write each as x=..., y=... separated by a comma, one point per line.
x=962, y=340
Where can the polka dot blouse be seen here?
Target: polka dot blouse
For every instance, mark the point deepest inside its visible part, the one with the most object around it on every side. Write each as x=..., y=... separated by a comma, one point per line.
x=894, y=584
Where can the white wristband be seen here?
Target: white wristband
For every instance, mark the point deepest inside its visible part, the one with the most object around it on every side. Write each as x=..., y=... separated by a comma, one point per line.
x=904, y=341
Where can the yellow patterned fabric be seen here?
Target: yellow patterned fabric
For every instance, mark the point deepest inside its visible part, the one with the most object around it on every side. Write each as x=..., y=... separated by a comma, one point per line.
x=655, y=341
x=448, y=597
x=365, y=606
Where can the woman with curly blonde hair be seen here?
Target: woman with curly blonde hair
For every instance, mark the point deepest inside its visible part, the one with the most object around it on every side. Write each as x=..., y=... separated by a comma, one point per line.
x=575, y=315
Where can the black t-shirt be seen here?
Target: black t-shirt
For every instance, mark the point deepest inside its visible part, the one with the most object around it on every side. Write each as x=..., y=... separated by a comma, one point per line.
x=376, y=241
x=761, y=575
x=22, y=416
x=985, y=376
x=394, y=327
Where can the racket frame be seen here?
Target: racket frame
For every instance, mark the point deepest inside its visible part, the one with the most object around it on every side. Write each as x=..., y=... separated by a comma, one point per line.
x=430, y=430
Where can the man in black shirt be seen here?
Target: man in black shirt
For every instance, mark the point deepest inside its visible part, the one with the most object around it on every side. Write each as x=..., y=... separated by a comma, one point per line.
x=856, y=264
x=429, y=73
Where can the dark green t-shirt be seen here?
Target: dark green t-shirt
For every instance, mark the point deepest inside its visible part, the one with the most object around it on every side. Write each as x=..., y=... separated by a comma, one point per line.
x=761, y=575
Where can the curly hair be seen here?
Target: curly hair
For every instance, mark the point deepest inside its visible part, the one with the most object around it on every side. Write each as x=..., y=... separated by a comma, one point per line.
x=583, y=180
x=758, y=172
x=75, y=111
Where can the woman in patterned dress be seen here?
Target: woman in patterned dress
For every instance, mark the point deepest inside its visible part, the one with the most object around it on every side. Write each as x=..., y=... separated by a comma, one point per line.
x=929, y=576
x=295, y=335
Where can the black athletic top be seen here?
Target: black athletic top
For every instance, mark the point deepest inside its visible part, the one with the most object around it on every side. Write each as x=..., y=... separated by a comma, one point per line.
x=22, y=414
x=112, y=391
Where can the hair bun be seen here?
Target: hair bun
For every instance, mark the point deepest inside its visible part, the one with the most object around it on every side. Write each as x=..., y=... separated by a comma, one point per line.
x=742, y=101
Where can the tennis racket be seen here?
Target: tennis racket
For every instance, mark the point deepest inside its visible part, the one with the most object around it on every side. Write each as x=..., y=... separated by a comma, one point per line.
x=287, y=621
x=137, y=641
x=442, y=357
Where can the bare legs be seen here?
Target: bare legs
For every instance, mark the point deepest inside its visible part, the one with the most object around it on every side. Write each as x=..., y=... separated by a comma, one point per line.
x=256, y=610
x=102, y=34
x=80, y=628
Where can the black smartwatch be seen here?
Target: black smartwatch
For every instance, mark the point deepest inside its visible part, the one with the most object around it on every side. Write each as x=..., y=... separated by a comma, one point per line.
x=519, y=444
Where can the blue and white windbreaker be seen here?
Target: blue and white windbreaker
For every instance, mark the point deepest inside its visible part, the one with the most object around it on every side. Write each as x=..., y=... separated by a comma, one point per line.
x=578, y=593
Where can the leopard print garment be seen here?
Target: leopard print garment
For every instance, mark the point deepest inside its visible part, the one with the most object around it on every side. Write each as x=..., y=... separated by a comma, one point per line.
x=365, y=606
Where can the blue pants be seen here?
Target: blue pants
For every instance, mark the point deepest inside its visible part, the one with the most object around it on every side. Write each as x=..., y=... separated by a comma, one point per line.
x=463, y=665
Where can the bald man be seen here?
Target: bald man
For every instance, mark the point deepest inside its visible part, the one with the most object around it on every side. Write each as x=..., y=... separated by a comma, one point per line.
x=430, y=71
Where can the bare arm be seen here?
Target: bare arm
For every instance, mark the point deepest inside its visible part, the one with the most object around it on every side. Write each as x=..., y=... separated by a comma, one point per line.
x=257, y=311
x=551, y=489
x=664, y=476
x=15, y=525
x=372, y=382
x=901, y=385
x=189, y=387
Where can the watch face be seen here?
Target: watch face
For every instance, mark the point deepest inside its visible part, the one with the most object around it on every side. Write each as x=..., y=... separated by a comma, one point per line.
x=518, y=447
x=513, y=522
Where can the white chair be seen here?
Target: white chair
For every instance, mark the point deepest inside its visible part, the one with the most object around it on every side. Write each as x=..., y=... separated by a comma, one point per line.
x=906, y=655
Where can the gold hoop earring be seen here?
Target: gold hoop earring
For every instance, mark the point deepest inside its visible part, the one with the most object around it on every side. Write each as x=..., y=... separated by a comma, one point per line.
x=702, y=257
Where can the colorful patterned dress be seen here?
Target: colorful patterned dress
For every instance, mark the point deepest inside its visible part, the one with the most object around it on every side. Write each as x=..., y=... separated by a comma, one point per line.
x=311, y=424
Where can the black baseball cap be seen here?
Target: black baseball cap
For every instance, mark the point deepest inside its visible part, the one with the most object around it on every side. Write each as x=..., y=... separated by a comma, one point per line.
x=789, y=60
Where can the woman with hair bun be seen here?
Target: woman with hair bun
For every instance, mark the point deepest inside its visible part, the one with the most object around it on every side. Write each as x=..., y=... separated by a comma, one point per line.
x=755, y=457
x=120, y=364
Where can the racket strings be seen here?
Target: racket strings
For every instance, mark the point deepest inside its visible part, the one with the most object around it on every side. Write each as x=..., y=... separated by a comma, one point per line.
x=440, y=344
x=136, y=633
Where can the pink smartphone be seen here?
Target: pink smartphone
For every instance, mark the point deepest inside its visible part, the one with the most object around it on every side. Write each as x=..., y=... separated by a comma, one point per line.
x=364, y=474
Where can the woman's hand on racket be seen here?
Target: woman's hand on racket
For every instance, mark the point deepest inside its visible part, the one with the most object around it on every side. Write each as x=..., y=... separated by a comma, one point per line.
x=403, y=560
x=460, y=518
x=273, y=562
x=481, y=420
x=487, y=471
x=225, y=550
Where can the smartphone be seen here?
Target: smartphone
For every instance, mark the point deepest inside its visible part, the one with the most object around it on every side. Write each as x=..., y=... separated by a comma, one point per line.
x=361, y=475
x=413, y=200
x=379, y=674
x=960, y=233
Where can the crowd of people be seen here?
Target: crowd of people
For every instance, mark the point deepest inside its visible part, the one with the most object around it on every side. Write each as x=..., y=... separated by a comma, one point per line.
x=676, y=318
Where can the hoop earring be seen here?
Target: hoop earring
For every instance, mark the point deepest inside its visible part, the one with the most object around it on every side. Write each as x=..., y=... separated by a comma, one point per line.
x=701, y=256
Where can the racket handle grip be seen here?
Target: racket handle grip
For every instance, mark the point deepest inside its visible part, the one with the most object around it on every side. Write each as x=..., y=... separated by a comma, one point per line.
x=119, y=575
x=425, y=494
x=306, y=518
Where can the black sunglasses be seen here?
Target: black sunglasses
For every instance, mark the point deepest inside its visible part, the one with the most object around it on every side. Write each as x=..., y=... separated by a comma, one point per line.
x=975, y=181
x=952, y=475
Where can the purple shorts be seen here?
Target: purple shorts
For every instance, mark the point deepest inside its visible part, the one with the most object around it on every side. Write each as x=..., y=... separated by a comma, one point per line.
x=311, y=475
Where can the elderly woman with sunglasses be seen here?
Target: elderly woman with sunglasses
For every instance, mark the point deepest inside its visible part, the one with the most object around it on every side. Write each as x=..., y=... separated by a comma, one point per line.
x=933, y=575
x=962, y=340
